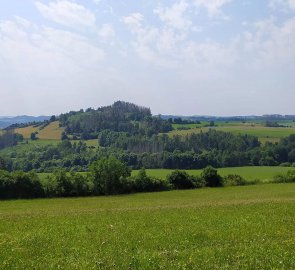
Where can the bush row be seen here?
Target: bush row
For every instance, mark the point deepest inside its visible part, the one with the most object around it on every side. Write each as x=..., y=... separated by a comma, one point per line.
x=109, y=176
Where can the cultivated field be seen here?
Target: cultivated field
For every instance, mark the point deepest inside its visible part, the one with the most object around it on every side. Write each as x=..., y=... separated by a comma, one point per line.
x=248, y=227
x=263, y=133
x=264, y=174
x=50, y=132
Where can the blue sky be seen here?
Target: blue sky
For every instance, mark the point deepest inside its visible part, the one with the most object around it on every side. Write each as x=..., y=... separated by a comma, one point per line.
x=188, y=57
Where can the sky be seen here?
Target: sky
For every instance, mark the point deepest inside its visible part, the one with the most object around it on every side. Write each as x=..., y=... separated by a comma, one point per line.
x=184, y=57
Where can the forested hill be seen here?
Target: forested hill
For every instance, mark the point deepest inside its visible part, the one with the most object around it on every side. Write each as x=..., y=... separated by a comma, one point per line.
x=119, y=117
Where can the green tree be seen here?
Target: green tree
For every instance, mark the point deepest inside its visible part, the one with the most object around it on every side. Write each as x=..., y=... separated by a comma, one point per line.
x=109, y=176
x=180, y=180
x=2, y=164
x=33, y=136
x=212, y=178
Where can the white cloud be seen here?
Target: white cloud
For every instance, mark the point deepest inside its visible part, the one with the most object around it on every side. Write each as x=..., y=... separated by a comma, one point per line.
x=266, y=45
x=67, y=13
x=174, y=16
x=46, y=66
x=291, y=4
x=134, y=20
x=274, y=44
x=282, y=4
x=107, y=32
x=213, y=7
x=45, y=42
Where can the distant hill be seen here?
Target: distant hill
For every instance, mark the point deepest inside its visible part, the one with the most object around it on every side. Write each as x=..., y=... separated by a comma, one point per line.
x=6, y=121
x=119, y=117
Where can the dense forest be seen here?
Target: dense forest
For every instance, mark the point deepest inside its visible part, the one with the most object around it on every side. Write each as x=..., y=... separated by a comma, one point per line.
x=215, y=148
x=119, y=117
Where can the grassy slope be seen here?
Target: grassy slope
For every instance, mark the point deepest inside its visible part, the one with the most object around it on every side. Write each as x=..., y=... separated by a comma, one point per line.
x=249, y=173
x=28, y=145
x=50, y=132
x=228, y=228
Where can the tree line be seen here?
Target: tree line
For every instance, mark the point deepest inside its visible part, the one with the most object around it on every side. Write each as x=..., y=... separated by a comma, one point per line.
x=110, y=176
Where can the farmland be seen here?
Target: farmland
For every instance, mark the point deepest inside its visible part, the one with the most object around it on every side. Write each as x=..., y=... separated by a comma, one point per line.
x=238, y=228
x=264, y=134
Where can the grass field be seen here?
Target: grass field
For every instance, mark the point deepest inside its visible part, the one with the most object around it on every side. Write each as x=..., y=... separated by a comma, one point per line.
x=264, y=174
x=51, y=132
x=248, y=227
x=28, y=145
x=263, y=133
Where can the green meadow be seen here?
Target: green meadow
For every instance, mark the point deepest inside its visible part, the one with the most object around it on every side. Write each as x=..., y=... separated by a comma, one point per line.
x=249, y=227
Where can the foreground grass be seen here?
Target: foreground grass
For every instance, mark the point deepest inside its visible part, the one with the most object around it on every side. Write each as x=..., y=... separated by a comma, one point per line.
x=248, y=227
x=262, y=173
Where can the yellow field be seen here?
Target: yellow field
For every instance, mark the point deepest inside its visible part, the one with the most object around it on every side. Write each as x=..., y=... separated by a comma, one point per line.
x=51, y=132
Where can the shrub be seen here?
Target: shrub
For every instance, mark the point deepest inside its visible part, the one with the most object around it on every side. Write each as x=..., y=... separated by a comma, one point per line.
x=6, y=185
x=286, y=164
x=234, y=180
x=280, y=178
x=289, y=177
x=64, y=186
x=81, y=185
x=144, y=183
x=27, y=185
x=198, y=181
x=211, y=177
x=180, y=180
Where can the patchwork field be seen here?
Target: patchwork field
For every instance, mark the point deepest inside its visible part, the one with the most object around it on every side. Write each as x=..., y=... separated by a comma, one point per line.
x=51, y=132
x=263, y=133
x=248, y=227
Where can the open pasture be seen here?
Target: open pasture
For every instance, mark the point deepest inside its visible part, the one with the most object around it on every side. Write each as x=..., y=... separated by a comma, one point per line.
x=248, y=227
